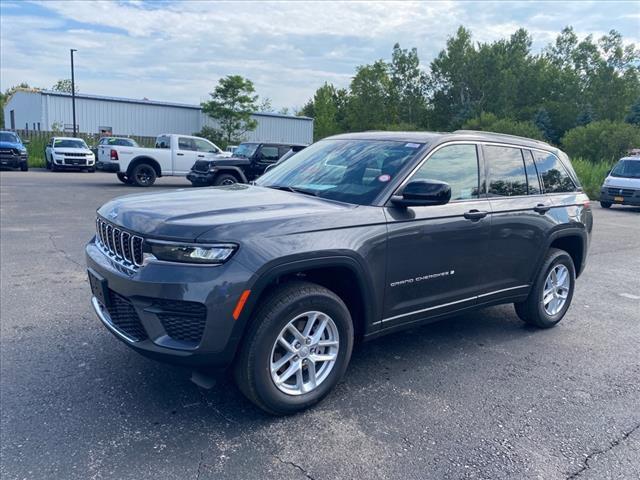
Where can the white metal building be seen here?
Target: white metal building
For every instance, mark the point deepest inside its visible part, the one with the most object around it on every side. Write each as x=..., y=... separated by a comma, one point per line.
x=41, y=109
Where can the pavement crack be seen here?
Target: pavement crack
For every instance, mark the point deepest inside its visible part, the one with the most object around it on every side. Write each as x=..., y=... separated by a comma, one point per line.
x=62, y=252
x=295, y=465
x=585, y=464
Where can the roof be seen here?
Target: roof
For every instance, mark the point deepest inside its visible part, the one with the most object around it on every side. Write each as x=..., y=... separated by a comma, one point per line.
x=154, y=102
x=432, y=137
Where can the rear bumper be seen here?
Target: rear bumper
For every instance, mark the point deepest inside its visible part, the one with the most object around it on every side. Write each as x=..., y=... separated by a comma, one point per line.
x=627, y=197
x=200, y=178
x=111, y=167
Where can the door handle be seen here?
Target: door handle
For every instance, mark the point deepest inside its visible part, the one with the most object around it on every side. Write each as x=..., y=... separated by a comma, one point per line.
x=541, y=208
x=200, y=156
x=475, y=214
x=180, y=154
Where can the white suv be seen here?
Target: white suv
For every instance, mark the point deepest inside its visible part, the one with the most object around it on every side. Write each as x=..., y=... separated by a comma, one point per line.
x=622, y=185
x=69, y=153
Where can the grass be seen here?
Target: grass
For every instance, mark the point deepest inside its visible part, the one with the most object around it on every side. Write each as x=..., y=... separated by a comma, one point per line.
x=591, y=175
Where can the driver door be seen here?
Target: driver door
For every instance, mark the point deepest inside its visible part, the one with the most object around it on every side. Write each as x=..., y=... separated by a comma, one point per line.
x=436, y=254
x=184, y=155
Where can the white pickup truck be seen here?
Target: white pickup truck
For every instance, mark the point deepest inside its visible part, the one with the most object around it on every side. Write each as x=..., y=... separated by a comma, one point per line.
x=173, y=155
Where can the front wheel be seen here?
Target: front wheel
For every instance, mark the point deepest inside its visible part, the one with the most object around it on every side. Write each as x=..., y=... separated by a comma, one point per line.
x=552, y=292
x=605, y=204
x=91, y=169
x=296, y=350
x=143, y=175
x=24, y=167
x=224, y=179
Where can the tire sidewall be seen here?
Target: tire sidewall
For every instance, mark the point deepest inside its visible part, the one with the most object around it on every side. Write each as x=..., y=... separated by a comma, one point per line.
x=559, y=257
x=222, y=177
x=134, y=178
x=266, y=337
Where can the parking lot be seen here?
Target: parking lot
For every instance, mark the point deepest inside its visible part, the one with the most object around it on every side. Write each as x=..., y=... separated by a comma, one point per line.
x=477, y=396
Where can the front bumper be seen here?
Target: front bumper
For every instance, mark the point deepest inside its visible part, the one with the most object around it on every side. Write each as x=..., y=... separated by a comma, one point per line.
x=73, y=163
x=156, y=309
x=620, y=195
x=13, y=161
x=200, y=178
x=111, y=167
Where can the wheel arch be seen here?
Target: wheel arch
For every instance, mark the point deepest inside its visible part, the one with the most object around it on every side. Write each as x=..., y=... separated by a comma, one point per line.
x=235, y=171
x=144, y=159
x=572, y=241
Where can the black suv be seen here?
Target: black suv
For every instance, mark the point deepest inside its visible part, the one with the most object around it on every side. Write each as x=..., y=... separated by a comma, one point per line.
x=354, y=237
x=248, y=162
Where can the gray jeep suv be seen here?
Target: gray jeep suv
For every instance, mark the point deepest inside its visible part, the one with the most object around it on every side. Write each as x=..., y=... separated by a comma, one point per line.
x=356, y=236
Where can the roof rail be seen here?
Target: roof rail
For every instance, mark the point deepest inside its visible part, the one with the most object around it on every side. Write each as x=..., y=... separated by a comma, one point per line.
x=481, y=132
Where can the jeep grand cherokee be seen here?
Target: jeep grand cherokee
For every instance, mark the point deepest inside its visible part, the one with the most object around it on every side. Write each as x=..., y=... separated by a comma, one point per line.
x=356, y=236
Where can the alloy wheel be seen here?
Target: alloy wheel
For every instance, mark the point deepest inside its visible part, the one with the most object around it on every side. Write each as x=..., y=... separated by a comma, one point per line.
x=556, y=289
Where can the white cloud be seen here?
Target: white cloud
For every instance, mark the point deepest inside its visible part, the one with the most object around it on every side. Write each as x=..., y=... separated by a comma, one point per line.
x=178, y=51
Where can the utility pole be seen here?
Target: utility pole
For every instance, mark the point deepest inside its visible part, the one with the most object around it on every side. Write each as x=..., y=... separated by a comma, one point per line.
x=73, y=94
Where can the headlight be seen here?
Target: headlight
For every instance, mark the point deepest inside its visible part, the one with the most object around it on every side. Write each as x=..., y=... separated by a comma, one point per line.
x=192, y=253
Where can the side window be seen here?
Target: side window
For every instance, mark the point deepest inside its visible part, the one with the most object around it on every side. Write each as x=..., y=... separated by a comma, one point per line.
x=163, y=142
x=532, y=173
x=458, y=166
x=204, y=146
x=553, y=175
x=282, y=149
x=269, y=153
x=185, y=143
x=507, y=177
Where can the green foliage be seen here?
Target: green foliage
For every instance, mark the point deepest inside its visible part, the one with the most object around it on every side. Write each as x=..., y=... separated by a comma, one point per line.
x=232, y=103
x=591, y=174
x=491, y=123
x=64, y=85
x=634, y=113
x=369, y=103
x=601, y=141
x=214, y=135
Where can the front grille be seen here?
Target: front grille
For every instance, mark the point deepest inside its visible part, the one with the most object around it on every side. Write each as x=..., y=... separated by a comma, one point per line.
x=73, y=154
x=181, y=320
x=9, y=151
x=124, y=317
x=124, y=246
x=621, y=192
x=201, y=166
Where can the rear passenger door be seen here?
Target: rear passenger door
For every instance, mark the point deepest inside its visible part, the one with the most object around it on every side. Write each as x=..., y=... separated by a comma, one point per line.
x=265, y=156
x=520, y=220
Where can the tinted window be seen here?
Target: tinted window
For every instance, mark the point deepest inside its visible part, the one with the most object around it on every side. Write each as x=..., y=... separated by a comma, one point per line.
x=458, y=166
x=185, y=143
x=8, y=137
x=626, y=169
x=269, y=153
x=163, y=142
x=204, y=146
x=245, y=150
x=69, y=143
x=506, y=171
x=353, y=171
x=532, y=174
x=553, y=175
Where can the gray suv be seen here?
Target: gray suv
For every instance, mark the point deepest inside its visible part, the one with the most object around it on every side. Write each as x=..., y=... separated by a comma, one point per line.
x=356, y=236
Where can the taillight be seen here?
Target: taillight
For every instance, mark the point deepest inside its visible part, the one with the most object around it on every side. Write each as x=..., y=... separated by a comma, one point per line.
x=114, y=155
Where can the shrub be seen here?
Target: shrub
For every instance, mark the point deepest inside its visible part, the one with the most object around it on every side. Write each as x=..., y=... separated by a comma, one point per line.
x=591, y=174
x=490, y=123
x=601, y=141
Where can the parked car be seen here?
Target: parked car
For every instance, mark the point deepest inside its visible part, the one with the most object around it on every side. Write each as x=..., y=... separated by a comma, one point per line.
x=13, y=153
x=107, y=141
x=230, y=149
x=357, y=236
x=173, y=155
x=622, y=185
x=247, y=163
x=294, y=149
x=64, y=153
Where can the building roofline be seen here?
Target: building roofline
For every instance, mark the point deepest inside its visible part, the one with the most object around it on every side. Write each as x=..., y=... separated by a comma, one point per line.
x=154, y=102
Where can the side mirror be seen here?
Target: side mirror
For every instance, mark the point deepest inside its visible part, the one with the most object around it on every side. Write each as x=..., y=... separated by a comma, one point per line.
x=422, y=193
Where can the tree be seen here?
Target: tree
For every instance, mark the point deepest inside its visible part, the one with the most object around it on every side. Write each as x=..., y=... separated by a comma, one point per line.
x=601, y=140
x=542, y=121
x=491, y=123
x=212, y=134
x=368, y=105
x=585, y=117
x=408, y=86
x=64, y=85
x=231, y=105
x=325, y=111
x=265, y=105
x=634, y=114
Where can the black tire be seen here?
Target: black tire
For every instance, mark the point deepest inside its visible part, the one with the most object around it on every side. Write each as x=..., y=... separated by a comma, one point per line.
x=24, y=167
x=91, y=169
x=47, y=165
x=252, y=367
x=224, y=179
x=605, y=204
x=123, y=177
x=142, y=175
x=532, y=310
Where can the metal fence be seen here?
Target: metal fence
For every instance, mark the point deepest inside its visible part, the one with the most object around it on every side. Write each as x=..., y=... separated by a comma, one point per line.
x=42, y=137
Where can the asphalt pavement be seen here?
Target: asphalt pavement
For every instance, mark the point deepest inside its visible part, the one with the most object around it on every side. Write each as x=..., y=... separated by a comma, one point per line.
x=477, y=396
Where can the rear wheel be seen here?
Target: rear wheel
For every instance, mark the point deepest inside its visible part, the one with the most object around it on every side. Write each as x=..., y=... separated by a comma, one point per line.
x=24, y=167
x=605, y=204
x=296, y=350
x=143, y=175
x=224, y=179
x=552, y=292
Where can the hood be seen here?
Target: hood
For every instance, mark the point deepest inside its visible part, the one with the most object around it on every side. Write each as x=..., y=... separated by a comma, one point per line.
x=71, y=150
x=621, y=182
x=221, y=213
x=15, y=145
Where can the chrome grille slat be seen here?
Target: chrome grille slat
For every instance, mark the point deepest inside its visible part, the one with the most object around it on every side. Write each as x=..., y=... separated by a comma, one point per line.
x=122, y=246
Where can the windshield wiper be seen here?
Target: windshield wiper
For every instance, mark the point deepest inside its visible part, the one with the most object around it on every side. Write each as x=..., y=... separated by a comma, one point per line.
x=294, y=190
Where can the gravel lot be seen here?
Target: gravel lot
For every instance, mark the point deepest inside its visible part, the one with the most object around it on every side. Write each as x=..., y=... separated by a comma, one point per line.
x=477, y=396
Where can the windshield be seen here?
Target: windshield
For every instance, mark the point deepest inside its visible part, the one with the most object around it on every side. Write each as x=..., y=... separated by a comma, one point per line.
x=352, y=171
x=9, y=137
x=122, y=142
x=69, y=143
x=245, y=150
x=627, y=169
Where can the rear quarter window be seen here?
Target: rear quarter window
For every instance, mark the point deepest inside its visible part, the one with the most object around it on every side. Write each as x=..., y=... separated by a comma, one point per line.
x=553, y=175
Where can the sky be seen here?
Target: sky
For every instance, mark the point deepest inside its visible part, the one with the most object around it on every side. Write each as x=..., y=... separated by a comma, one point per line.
x=177, y=51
